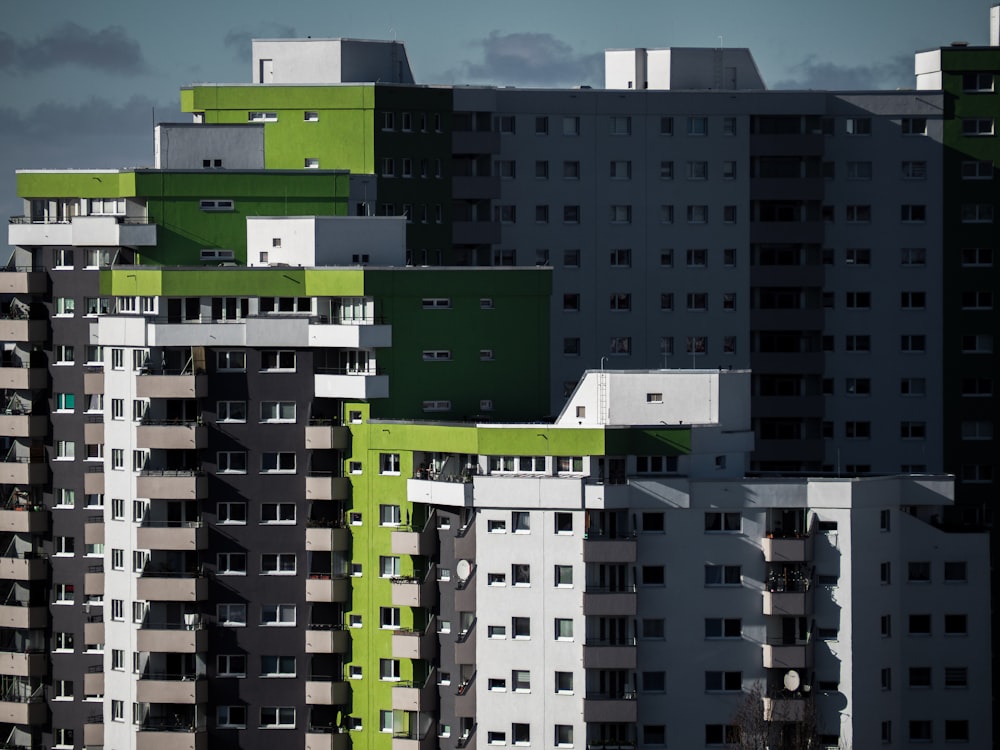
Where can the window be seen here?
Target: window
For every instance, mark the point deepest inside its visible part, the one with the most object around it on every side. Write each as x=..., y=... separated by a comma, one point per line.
x=563, y=629
x=65, y=402
x=274, y=411
x=277, y=666
x=913, y=430
x=277, y=614
x=956, y=677
x=231, y=462
x=571, y=170
x=563, y=736
x=977, y=170
x=388, y=669
x=918, y=572
x=977, y=126
x=719, y=521
x=65, y=306
x=666, y=170
x=271, y=359
x=496, y=738
x=621, y=258
x=886, y=626
x=272, y=563
x=723, y=575
x=919, y=677
x=621, y=125
x=697, y=214
x=979, y=343
x=571, y=126
x=722, y=734
x=621, y=170
x=231, y=563
x=436, y=355
x=231, y=361
x=571, y=346
x=955, y=572
x=859, y=214
x=521, y=522
x=65, y=450
x=666, y=126
x=652, y=575
x=858, y=386
x=977, y=213
x=277, y=717
x=697, y=170
x=621, y=301
x=721, y=627
x=216, y=205
x=520, y=627
x=859, y=170
x=621, y=345
x=232, y=513
x=912, y=342
x=920, y=730
x=885, y=678
x=697, y=126
x=232, y=615
x=621, y=214
x=857, y=430
x=389, y=618
x=723, y=682
x=859, y=126
x=913, y=170
x=913, y=213
x=956, y=730
x=920, y=625
x=977, y=300
x=520, y=574
x=956, y=625
x=913, y=256
x=520, y=680
x=913, y=125
x=697, y=258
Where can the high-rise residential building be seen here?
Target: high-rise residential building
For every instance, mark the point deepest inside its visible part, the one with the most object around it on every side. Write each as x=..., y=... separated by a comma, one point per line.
x=278, y=431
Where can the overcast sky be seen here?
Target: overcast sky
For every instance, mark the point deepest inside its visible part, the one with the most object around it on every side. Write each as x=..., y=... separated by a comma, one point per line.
x=82, y=83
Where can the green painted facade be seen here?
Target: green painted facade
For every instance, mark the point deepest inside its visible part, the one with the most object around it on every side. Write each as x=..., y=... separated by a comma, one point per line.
x=961, y=277
x=173, y=202
x=371, y=489
x=497, y=352
x=401, y=134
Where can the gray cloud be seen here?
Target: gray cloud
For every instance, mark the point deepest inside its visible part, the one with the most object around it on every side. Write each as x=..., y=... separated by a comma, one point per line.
x=110, y=50
x=239, y=41
x=94, y=117
x=529, y=59
x=811, y=73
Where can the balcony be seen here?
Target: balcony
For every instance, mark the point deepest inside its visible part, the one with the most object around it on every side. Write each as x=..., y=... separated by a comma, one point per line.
x=787, y=603
x=325, y=588
x=475, y=142
x=603, y=601
x=415, y=644
x=23, y=703
x=171, y=435
x=341, y=336
x=93, y=530
x=414, y=741
x=29, y=566
x=93, y=430
x=606, y=707
x=166, y=535
x=785, y=549
x=787, y=590
x=83, y=231
x=93, y=681
x=172, y=638
x=452, y=494
x=173, y=733
x=25, y=520
x=414, y=695
x=327, y=738
x=26, y=331
x=784, y=709
x=171, y=485
x=93, y=731
x=93, y=629
x=326, y=691
x=410, y=540
x=23, y=378
x=415, y=591
x=159, y=384
x=325, y=486
x=607, y=549
x=22, y=281
x=599, y=654
x=172, y=587
x=23, y=470
x=93, y=581
x=465, y=645
x=327, y=539
x=465, y=698
x=360, y=385
x=24, y=664
x=18, y=615
x=159, y=687
x=786, y=656
x=327, y=437
x=23, y=425
x=93, y=480
x=93, y=379
x=327, y=640
x=475, y=188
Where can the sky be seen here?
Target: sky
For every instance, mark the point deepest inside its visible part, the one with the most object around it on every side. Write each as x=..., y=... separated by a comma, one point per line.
x=81, y=84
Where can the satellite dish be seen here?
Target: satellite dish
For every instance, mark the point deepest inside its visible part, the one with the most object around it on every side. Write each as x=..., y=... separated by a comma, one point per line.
x=463, y=570
x=791, y=680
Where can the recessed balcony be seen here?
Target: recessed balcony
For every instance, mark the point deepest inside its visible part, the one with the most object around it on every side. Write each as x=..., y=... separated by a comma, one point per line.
x=320, y=436
x=360, y=385
x=22, y=281
x=27, y=567
x=158, y=384
x=172, y=587
x=93, y=581
x=323, y=691
x=171, y=435
x=608, y=707
x=171, y=485
x=412, y=540
x=172, y=638
x=23, y=616
x=607, y=549
x=27, y=710
x=93, y=682
x=23, y=378
x=167, y=535
x=170, y=733
x=327, y=640
x=24, y=331
x=25, y=520
x=327, y=738
x=609, y=602
x=23, y=425
x=779, y=549
x=786, y=656
x=325, y=486
x=414, y=644
x=23, y=470
x=327, y=539
x=326, y=588
x=598, y=654
x=784, y=709
x=156, y=687
x=414, y=695
x=24, y=664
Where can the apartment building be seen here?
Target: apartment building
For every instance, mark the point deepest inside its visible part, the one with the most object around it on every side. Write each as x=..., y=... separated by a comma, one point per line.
x=278, y=452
